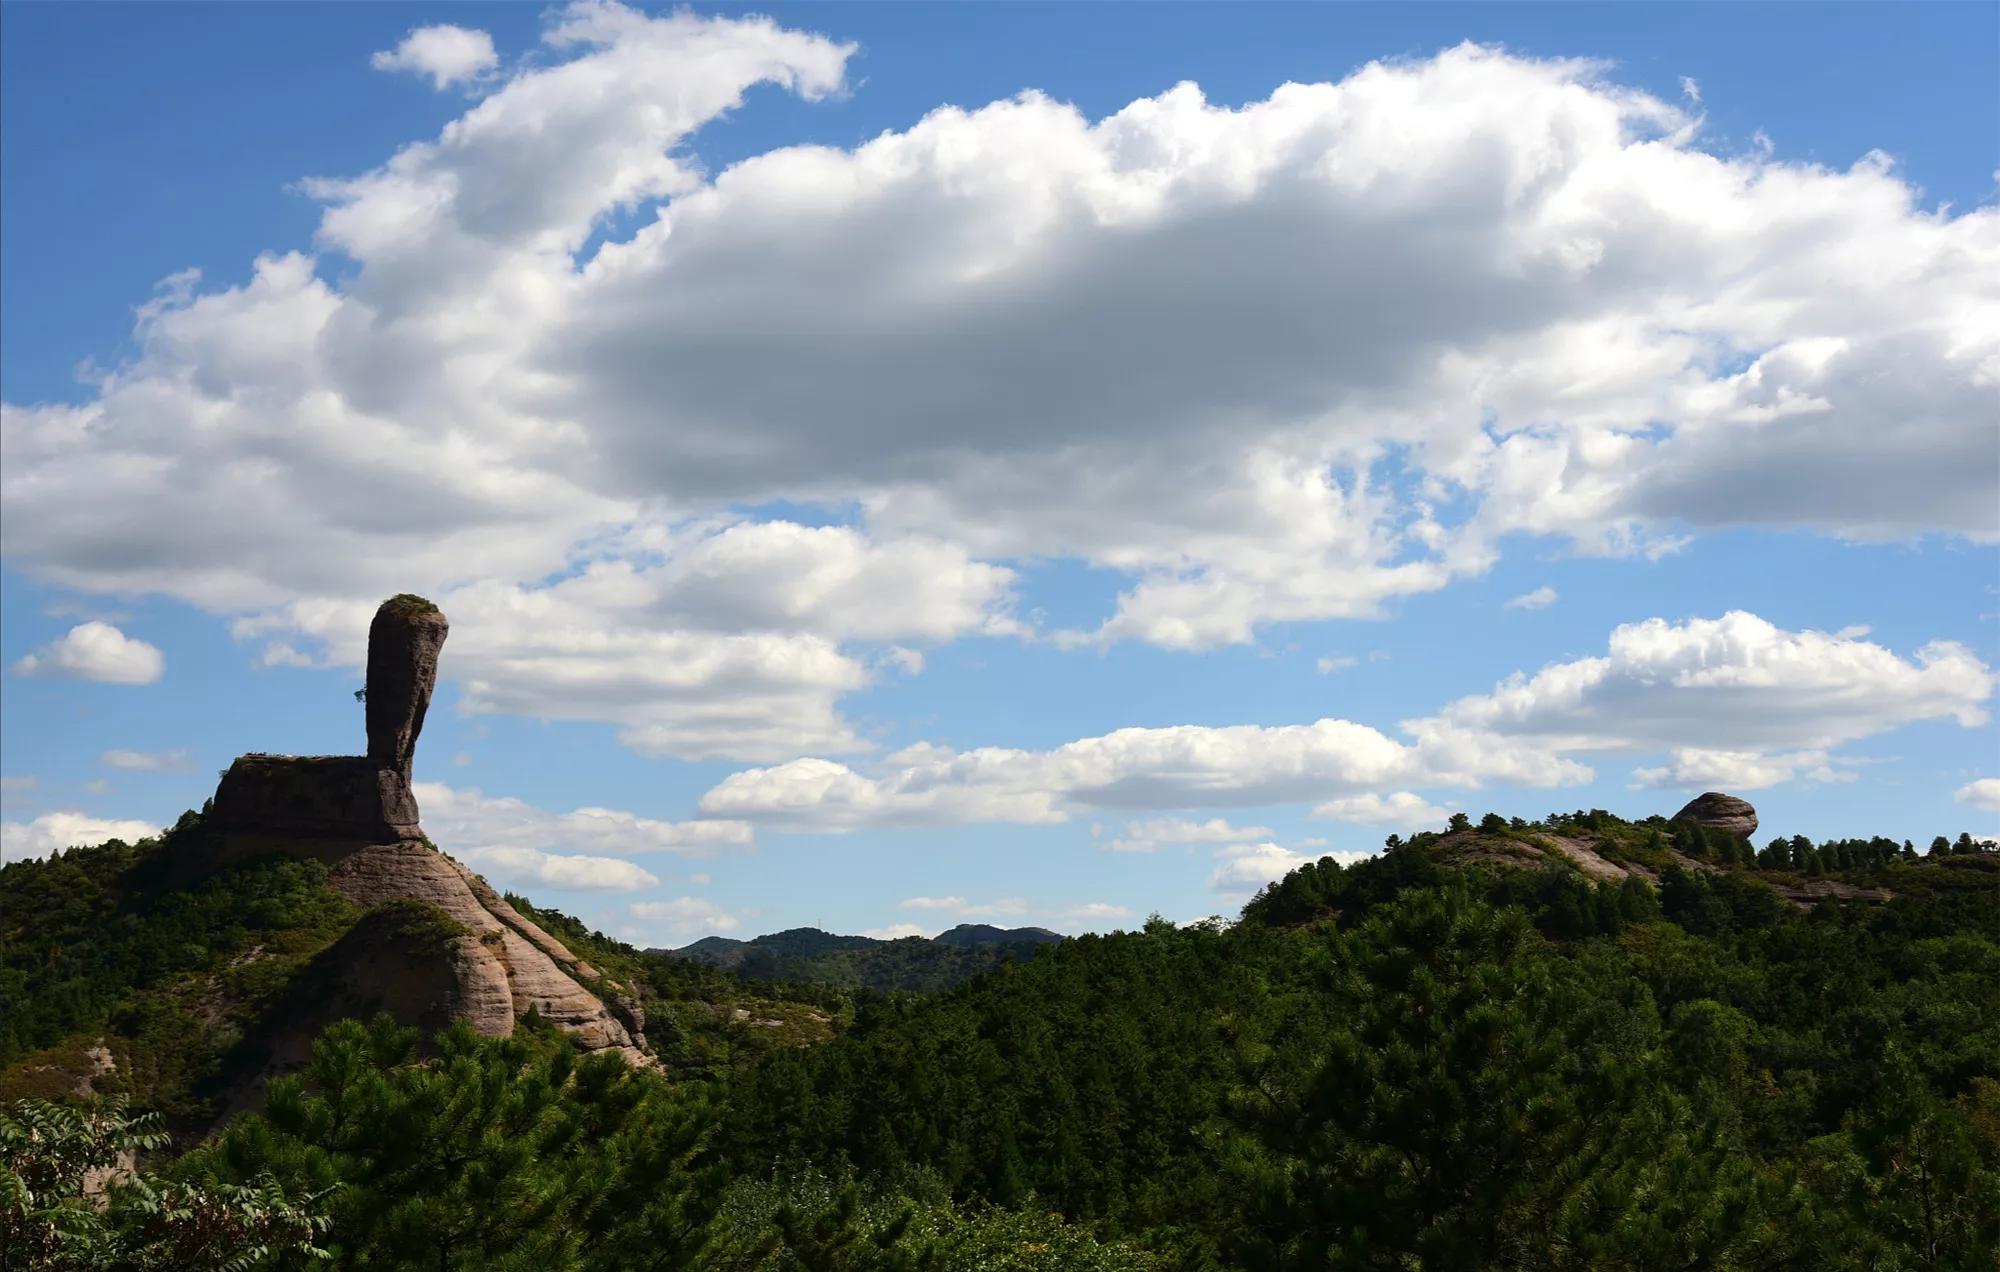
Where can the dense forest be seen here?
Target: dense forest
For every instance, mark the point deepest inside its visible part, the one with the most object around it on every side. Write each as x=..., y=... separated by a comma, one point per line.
x=862, y=962
x=1466, y=1052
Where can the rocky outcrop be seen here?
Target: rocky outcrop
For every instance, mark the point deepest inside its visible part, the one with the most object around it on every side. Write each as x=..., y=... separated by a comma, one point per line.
x=481, y=961
x=340, y=797
x=1725, y=812
x=404, y=641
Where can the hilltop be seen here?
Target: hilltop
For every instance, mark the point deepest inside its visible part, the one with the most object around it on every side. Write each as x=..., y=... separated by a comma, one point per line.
x=865, y=962
x=1575, y=1042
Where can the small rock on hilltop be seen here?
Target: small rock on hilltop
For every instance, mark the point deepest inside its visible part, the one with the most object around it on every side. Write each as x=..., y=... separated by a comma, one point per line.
x=1725, y=812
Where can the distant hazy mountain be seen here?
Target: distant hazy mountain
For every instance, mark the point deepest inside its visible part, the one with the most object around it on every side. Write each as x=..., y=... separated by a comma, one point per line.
x=987, y=934
x=911, y=962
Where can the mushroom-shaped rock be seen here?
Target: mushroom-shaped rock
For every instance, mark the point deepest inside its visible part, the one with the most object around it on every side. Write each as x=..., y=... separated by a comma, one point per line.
x=1726, y=812
x=403, y=645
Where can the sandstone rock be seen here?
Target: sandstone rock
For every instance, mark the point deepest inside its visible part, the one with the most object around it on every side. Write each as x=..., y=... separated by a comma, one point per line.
x=403, y=645
x=1725, y=811
x=389, y=963
x=346, y=797
x=480, y=960
x=502, y=947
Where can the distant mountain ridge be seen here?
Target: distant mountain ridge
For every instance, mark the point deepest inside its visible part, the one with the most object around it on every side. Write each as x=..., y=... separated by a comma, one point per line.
x=909, y=962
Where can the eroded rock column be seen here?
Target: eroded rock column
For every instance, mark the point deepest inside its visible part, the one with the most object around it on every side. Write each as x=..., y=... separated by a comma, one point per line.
x=403, y=645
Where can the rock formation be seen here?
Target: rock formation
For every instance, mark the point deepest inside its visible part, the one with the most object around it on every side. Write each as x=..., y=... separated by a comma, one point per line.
x=403, y=645
x=358, y=815
x=1723, y=811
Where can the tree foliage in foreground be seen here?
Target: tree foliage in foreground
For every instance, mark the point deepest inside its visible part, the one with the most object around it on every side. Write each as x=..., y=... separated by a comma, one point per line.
x=523, y=1154
x=69, y=1201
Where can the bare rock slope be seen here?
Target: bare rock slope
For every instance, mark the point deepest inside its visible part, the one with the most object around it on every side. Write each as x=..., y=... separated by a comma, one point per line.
x=488, y=964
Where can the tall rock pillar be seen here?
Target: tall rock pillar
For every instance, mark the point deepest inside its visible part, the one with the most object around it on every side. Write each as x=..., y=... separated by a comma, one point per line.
x=403, y=645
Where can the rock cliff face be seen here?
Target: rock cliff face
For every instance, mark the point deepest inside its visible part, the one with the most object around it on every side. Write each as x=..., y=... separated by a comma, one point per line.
x=1723, y=811
x=358, y=815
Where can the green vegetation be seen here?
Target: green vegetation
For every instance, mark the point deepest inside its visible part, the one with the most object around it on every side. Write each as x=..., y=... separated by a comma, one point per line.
x=1467, y=1052
x=67, y=1203
x=104, y=944
x=1434, y=1059
x=912, y=963
x=407, y=604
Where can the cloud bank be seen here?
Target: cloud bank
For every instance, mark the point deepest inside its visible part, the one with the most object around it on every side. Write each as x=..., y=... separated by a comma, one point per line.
x=1285, y=361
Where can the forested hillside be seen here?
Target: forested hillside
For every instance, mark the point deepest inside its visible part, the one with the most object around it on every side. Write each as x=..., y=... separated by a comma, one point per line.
x=1577, y=1043
x=861, y=962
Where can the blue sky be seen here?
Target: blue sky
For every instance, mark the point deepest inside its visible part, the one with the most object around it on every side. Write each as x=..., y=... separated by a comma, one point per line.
x=868, y=506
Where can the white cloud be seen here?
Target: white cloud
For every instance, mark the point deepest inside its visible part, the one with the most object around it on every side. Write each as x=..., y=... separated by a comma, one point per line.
x=95, y=651
x=444, y=54
x=700, y=642
x=1247, y=867
x=174, y=761
x=1003, y=908
x=1522, y=287
x=1984, y=793
x=466, y=822
x=1723, y=694
x=1153, y=834
x=54, y=832
x=1182, y=766
x=684, y=919
x=894, y=932
x=1734, y=683
x=1405, y=810
x=1336, y=662
x=1700, y=768
x=932, y=903
x=529, y=866
x=1093, y=912
x=16, y=784
x=1541, y=598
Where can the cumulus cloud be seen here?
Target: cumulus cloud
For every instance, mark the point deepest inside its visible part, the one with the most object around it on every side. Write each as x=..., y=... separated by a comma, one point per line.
x=55, y=832
x=683, y=919
x=1735, y=683
x=699, y=642
x=466, y=822
x=568, y=871
x=1247, y=867
x=932, y=903
x=95, y=651
x=174, y=761
x=1284, y=361
x=894, y=932
x=1541, y=598
x=1003, y=908
x=1700, y=768
x=1984, y=793
x=1093, y=912
x=1153, y=834
x=1403, y=809
x=1014, y=908
x=444, y=54
x=1724, y=695
x=1161, y=768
